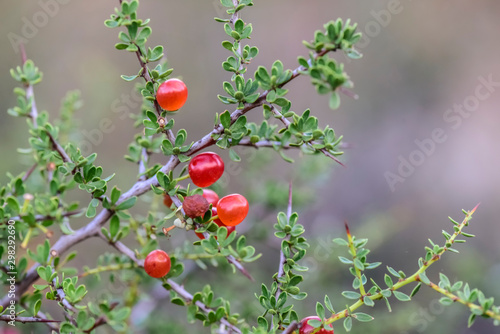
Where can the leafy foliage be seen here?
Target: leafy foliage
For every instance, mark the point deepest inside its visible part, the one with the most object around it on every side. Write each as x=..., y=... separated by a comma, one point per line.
x=32, y=210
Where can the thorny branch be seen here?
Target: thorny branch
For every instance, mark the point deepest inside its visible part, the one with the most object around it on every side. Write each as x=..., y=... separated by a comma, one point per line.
x=140, y=187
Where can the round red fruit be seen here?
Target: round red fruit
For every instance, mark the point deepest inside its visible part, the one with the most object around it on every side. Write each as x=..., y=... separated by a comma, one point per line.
x=307, y=329
x=172, y=94
x=167, y=201
x=211, y=196
x=157, y=263
x=230, y=229
x=205, y=169
x=232, y=209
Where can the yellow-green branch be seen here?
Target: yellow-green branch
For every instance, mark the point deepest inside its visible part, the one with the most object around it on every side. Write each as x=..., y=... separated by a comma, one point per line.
x=457, y=299
x=413, y=278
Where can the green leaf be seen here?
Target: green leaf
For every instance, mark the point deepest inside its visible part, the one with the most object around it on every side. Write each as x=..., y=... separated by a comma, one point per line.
x=334, y=101
x=178, y=301
x=351, y=295
x=227, y=45
x=446, y=301
x=92, y=208
x=328, y=304
x=262, y=323
x=401, y=296
x=363, y=317
x=368, y=301
x=345, y=260
x=40, y=287
x=423, y=277
x=444, y=280
x=341, y=242
x=114, y=226
x=127, y=204
x=115, y=195
x=388, y=281
x=353, y=54
x=129, y=77
x=470, y=322
x=36, y=307
x=66, y=327
x=358, y=264
x=234, y=156
x=315, y=323
x=348, y=324
x=320, y=310
x=225, y=119
x=393, y=272
x=415, y=290
x=144, y=34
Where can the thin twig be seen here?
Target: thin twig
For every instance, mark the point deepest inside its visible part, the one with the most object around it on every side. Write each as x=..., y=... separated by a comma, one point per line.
x=348, y=93
x=143, y=164
x=49, y=323
x=234, y=18
x=281, y=268
x=61, y=297
x=24, y=320
x=40, y=218
x=29, y=172
x=102, y=320
x=147, y=77
x=310, y=143
x=56, y=146
x=277, y=144
x=29, y=91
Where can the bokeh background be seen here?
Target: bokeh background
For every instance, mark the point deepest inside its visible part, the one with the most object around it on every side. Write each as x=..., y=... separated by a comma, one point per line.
x=419, y=61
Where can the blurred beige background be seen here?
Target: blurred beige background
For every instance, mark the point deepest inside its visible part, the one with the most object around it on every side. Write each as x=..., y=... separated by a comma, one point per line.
x=419, y=61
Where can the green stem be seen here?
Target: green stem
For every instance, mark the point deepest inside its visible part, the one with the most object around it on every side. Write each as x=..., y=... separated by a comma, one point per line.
x=181, y=178
x=112, y=267
x=354, y=255
x=27, y=238
x=212, y=219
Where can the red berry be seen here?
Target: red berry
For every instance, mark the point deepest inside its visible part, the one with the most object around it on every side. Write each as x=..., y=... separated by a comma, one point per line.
x=172, y=94
x=230, y=229
x=232, y=209
x=167, y=201
x=307, y=329
x=211, y=197
x=205, y=169
x=157, y=263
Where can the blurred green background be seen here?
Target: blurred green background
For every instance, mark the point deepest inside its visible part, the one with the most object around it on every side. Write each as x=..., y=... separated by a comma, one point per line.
x=419, y=61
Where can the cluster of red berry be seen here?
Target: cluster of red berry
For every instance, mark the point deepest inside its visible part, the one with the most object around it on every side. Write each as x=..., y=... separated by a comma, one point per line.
x=204, y=170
